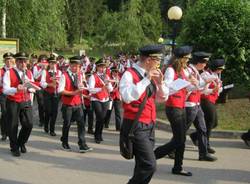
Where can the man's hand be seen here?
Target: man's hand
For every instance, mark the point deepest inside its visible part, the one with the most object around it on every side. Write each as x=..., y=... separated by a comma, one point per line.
x=156, y=75
x=21, y=87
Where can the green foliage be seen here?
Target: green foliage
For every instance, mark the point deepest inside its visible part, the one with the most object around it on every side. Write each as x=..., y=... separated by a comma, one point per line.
x=222, y=28
x=37, y=23
x=138, y=23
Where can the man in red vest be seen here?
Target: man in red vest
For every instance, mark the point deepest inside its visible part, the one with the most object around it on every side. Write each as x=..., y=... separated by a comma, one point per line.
x=49, y=82
x=70, y=87
x=142, y=80
x=18, y=103
x=38, y=69
x=8, y=63
x=194, y=112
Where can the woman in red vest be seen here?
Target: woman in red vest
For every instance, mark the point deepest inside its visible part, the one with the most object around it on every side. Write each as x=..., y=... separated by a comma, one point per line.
x=99, y=87
x=19, y=103
x=142, y=81
x=49, y=82
x=70, y=87
x=209, y=97
x=175, y=110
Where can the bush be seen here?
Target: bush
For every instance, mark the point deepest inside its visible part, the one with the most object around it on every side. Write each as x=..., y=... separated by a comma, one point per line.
x=222, y=28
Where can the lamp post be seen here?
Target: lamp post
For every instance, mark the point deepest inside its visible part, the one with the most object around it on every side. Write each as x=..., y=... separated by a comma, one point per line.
x=174, y=14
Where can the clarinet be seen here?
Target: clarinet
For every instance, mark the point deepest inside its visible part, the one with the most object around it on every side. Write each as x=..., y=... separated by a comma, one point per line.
x=54, y=80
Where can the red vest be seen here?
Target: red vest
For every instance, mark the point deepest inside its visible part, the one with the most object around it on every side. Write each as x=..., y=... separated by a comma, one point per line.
x=86, y=100
x=51, y=90
x=211, y=97
x=69, y=99
x=178, y=99
x=194, y=96
x=148, y=114
x=99, y=84
x=115, y=94
x=3, y=70
x=14, y=82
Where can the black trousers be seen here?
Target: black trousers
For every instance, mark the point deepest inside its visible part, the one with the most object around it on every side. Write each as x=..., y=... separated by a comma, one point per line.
x=4, y=124
x=41, y=108
x=211, y=119
x=67, y=113
x=143, y=146
x=15, y=112
x=51, y=102
x=177, y=119
x=117, y=107
x=195, y=115
x=100, y=109
x=88, y=111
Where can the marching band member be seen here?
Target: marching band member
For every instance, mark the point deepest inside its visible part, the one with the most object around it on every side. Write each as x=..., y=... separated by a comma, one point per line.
x=143, y=79
x=9, y=61
x=88, y=110
x=38, y=69
x=115, y=99
x=49, y=83
x=99, y=88
x=209, y=97
x=70, y=87
x=18, y=103
x=175, y=110
x=194, y=112
x=61, y=63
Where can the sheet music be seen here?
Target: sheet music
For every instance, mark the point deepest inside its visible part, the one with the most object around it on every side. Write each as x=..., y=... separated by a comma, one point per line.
x=179, y=84
x=228, y=86
x=29, y=84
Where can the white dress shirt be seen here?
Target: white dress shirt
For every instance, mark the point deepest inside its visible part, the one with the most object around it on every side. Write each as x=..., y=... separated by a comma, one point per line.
x=37, y=72
x=207, y=75
x=7, y=89
x=132, y=92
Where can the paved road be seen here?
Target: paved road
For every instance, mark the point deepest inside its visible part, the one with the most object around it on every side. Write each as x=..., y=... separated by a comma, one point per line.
x=46, y=163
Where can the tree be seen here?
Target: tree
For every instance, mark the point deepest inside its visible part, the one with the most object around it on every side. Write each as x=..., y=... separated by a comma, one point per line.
x=222, y=28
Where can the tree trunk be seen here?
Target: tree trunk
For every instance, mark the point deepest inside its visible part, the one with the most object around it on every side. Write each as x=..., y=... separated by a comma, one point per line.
x=4, y=20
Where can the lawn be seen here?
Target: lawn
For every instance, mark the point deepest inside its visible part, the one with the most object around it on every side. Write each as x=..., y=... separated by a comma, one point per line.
x=233, y=115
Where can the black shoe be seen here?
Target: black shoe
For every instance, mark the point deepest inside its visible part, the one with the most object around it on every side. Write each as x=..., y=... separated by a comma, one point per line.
x=66, y=147
x=245, y=138
x=210, y=150
x=194, y=141
x=182, y=172
x=98, y=141
x=207, y=157
x=23, y=149
x=52, y=133
x=171, y=155
x=90, y=131
x=84, y=148
x=46, y=130
x=4, y=137
x=15, y=153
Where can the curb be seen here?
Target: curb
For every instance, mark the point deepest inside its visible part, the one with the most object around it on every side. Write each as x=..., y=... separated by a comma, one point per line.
x=164, y=125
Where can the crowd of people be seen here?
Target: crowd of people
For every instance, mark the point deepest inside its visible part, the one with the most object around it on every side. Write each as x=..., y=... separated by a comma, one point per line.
x=82, y=87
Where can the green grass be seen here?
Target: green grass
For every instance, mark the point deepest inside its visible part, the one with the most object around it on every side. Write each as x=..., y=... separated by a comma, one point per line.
x=233, y=115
